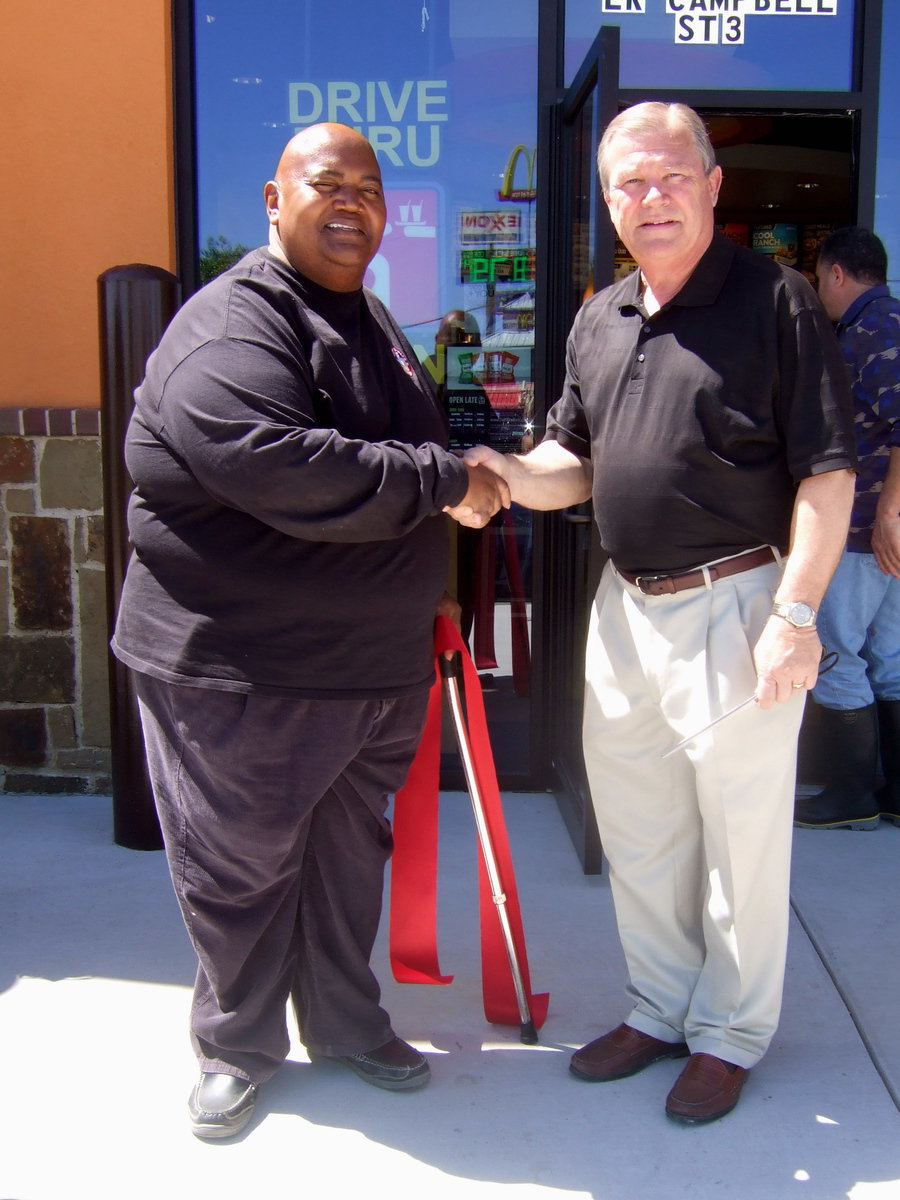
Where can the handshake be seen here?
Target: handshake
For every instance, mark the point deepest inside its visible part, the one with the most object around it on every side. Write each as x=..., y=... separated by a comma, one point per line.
x=488, y=487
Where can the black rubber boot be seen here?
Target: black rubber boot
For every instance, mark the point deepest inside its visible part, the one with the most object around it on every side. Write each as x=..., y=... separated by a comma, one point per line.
x=837, y=758
x=889, y=746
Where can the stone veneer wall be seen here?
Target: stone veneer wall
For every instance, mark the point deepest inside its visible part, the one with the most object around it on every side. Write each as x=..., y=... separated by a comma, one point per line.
x=54, y=705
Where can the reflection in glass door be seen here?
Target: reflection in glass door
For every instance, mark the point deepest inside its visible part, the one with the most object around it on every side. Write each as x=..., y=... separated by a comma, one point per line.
x=486, y=383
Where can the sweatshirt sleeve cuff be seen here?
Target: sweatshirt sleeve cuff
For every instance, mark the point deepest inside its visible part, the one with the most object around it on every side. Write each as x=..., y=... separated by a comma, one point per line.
x=453, y=483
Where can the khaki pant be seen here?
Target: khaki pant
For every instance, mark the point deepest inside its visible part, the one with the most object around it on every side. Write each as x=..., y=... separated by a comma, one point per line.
x=698, y=844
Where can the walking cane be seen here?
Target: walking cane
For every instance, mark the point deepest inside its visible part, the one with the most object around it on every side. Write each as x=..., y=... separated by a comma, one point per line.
x=450, y=673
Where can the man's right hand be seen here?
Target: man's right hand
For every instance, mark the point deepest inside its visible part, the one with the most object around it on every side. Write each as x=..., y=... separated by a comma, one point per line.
x=547, y=477
x=487, y=494
x=486, y=457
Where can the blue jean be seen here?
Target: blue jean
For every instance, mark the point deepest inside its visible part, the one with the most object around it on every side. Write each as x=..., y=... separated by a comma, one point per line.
x=860, y=619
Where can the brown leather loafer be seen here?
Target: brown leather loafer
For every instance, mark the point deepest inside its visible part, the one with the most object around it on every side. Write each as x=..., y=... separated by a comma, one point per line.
x=622, y=1052
x=707, y=1088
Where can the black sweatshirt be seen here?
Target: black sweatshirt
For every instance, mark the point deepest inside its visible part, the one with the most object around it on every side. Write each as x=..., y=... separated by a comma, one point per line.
x=289, y=466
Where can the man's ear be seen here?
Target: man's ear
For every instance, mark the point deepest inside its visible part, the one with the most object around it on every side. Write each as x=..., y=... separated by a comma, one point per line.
x=837, y=274
x=714, y=180
x=272, y=196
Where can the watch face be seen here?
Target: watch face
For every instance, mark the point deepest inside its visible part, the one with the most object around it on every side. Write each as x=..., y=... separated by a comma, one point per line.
x=800, y=614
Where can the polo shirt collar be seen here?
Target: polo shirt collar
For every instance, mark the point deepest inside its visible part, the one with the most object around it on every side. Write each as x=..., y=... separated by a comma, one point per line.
x=703, y=285
x=864, y=298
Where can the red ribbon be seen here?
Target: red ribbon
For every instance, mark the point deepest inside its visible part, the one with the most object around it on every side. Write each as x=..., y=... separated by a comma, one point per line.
x=485, y=594
x=521, y=651
x=501, y=533
x=413, y=908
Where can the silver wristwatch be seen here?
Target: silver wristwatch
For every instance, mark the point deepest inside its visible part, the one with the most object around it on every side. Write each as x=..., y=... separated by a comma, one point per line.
x=796, y=613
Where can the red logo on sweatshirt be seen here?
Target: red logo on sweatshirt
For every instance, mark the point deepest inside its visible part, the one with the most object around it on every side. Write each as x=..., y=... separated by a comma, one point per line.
x=403, y=361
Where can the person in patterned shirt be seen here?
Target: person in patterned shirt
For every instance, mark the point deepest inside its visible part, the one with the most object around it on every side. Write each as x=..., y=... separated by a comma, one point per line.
x=857, y=704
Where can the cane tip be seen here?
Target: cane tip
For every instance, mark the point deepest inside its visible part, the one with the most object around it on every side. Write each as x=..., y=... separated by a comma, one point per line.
x=528, y=1033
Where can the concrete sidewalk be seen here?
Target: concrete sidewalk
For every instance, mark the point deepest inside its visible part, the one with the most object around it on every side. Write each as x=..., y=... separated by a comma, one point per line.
x=95, y=974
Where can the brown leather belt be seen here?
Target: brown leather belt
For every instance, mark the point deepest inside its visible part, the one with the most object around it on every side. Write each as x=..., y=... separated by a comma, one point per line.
x=667, y=585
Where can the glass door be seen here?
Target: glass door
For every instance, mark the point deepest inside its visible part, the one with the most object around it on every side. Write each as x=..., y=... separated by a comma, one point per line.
x=575, y=257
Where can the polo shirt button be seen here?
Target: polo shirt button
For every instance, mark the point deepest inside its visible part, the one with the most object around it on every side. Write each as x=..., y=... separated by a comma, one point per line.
x=640, y=358
x=648, y=329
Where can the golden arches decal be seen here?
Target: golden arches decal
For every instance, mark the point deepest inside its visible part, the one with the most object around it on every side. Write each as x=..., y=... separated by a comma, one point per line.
x=508, y=191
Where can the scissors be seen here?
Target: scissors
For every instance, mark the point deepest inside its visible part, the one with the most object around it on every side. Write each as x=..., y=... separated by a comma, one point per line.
x=826, y=662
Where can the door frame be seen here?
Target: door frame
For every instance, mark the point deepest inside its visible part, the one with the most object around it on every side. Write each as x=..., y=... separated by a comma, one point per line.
x=567, y=553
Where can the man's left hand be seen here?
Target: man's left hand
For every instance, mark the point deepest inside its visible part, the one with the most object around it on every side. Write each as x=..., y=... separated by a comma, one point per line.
x=448, y=607
x=787, y=661
x=886, y=543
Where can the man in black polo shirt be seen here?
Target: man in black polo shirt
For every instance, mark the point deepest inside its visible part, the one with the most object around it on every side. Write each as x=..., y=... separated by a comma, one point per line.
x=705, y=410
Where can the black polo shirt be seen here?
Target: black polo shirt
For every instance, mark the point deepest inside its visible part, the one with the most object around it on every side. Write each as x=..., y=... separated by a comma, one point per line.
x=701, y=419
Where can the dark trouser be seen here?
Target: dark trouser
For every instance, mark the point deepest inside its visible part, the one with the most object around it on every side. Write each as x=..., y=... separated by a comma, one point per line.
x=273, y=814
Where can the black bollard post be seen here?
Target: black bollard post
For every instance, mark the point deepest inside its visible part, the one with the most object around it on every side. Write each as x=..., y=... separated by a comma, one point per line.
x=136, y=304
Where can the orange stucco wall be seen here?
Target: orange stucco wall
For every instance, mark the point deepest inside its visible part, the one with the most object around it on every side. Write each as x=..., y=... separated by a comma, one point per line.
x=87, y=158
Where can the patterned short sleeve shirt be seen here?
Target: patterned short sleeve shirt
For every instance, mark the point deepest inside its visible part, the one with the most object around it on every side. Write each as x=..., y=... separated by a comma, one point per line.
x=869, y=335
